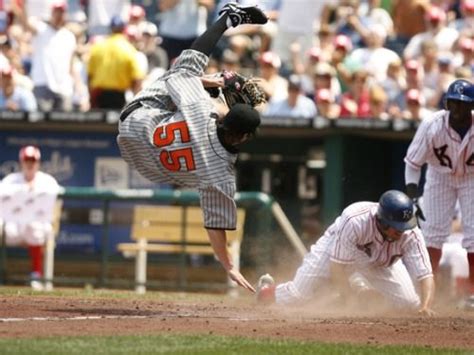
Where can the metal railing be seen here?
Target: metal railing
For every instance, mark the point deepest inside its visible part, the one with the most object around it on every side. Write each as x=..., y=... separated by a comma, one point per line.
x=263, y=206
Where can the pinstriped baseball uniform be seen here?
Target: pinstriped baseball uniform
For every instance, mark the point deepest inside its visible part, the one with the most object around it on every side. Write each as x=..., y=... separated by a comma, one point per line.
x=354, y=239
x=450, y=177
x=170, y=136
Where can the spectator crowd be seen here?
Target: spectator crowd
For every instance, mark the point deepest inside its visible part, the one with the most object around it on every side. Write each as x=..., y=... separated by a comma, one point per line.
x=333, y=58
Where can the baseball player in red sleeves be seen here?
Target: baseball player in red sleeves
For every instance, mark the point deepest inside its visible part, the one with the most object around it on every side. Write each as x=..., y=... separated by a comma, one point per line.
x=378, y=241
x=171, y=132
x=446, y=144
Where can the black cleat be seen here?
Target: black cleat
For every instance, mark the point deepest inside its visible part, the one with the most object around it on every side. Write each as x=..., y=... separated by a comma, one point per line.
x=243, y=15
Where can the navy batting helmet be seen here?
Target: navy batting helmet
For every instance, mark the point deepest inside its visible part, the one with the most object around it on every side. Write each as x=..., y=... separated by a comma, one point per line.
x=396, y=210
x=460, y=90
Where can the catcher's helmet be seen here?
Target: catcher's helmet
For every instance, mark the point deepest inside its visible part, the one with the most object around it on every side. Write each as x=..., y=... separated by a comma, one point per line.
x=396, y=210
x=460, y=90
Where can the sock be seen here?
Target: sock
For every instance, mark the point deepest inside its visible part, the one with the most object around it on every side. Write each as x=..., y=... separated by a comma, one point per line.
x=470, y=259
x=36, y=255
x=206, y=42
x=435, y=256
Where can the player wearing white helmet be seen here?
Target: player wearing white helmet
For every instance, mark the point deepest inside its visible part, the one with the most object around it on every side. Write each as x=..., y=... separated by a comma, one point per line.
x=446, y=144
x=379, y=241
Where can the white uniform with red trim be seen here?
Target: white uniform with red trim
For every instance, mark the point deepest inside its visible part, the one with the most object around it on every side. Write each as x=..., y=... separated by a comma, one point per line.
x=353, y=239
x=449, y=178
x=30, y=232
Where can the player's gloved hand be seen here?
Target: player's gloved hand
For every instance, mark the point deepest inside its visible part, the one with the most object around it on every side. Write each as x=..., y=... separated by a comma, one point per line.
x=418, y=211
x=233, y=80
x=236, y=276
x=238, y=89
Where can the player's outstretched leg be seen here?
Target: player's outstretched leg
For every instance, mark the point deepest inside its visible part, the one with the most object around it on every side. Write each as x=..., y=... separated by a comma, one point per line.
x=266, y=289
x=238, y=15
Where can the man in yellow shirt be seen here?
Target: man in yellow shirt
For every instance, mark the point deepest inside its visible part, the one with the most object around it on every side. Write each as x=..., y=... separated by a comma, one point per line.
x=113, y=68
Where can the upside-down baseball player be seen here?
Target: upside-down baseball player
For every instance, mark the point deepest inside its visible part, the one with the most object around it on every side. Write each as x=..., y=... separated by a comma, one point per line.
x=169, y=132
x=446, y=144
x=379, y=241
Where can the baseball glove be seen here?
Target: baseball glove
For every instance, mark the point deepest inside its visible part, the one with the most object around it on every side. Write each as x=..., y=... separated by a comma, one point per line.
x=239, y=89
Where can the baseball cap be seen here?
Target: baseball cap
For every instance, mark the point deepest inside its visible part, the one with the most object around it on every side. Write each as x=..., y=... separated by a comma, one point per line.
x=343, y=42
x=271, y=58
x=468, y=5
x=466, y=44
x=6, y=71
x=412, y=64
x=117, y=22
x=241, y=119
x=59, y=5
x=414, y=95
x=30, y=152
x=136, y=12
x=444, y=60
x=324, y=95
x=314, y=53
x=324, y=69
x=150, y=29
x=436, y=14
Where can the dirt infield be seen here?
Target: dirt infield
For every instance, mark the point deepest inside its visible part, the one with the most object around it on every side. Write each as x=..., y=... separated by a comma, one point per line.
x=43, y=315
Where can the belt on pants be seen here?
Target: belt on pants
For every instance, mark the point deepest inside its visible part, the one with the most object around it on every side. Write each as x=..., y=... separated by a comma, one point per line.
x=129, y=109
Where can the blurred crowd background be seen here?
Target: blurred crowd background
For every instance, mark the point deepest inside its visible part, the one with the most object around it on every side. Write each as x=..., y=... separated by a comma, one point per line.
x=384, y=59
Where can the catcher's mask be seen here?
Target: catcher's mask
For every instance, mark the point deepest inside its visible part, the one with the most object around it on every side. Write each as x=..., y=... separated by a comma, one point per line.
x=241, y=119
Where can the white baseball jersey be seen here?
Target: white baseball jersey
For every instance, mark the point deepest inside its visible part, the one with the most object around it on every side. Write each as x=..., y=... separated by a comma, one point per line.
x=171, y=137
x=449, y=178
x=354, y=239
x=30, y=232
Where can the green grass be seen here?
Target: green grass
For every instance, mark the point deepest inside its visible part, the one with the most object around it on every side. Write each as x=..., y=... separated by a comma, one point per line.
x=112, y=294
x=208, y=345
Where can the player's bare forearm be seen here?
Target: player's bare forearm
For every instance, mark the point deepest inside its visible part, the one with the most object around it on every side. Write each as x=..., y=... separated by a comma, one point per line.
x=218, y=239
x=427, y=287
x=212, y=81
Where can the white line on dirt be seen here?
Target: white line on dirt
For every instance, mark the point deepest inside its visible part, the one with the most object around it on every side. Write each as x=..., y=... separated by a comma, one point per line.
x=232, y=319
x=7, y=320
